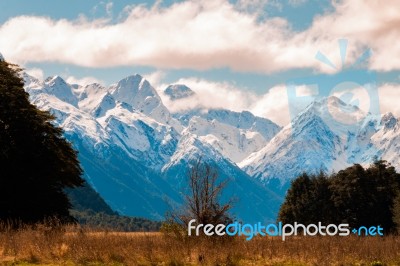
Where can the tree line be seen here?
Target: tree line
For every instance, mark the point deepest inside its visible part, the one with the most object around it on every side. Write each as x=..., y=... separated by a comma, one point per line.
x=356, y=195
x=115, y=222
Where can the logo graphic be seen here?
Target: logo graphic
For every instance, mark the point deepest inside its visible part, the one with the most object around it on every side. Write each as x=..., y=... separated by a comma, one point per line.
x=343, y=101
x=343, y=94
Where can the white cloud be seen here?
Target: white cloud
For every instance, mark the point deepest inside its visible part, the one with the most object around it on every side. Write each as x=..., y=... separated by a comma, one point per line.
x=83, y=81
x=365, y=24
x=210, y=95
x=389, y=95
x=307, y=90
x=155, y=78
x=36, y=73
x=272, y=105
x=205, y=35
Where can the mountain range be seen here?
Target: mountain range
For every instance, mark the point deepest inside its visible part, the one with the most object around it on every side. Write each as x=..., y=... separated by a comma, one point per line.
x=136, y=153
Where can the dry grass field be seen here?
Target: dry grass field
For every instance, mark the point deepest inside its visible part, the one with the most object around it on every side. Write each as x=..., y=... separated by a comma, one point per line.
x=73, y=246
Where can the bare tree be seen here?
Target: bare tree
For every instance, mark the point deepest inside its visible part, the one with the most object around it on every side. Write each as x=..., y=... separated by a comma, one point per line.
x=202, y=200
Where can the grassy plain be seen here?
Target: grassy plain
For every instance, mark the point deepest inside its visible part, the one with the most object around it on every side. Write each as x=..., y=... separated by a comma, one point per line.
x=73, y=246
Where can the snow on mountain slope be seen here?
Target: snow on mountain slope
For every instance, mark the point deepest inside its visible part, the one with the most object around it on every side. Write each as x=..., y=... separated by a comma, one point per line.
x=307, y=145
x=90, y=96
x=114, y=149
x=234, y=143
x=132, y=152
x=318, y=140
x=387, y=140
x=234, y=134
x=107, y=102
x=253, y=201
x=136, y=154
x=31, y=83
x=127, y=185
x=72, y=120
x=62, y=90
x=141, y=136
x=245, y=120
x=137, y=92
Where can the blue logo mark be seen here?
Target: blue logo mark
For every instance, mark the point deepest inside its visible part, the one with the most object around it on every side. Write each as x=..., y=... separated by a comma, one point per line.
x=368, y=231
x=344, y=101
x=351, y=85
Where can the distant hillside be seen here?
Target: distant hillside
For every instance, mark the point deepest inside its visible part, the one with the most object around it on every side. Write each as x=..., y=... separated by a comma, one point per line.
x=90, y=209
x=87, y=199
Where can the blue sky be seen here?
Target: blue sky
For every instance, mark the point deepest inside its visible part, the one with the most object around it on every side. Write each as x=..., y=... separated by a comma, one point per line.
x=299, y=13
x=233, y=46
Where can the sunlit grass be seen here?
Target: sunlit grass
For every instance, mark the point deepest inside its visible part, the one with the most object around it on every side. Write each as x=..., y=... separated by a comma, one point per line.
x=75, y=246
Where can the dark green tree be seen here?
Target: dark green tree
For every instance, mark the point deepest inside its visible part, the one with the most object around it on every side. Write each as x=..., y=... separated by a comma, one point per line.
x=386, y=188
x=352, y=196
x=322, y=206
x=364, y=197
x=297, y=201
x=357, y=196
x=307, y=201
x=396, y=213
x=36, y=162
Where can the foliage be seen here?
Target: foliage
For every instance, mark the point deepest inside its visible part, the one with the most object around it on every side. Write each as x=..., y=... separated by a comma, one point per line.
x=357, y=196
x=36, y=162
x=396, y=212
x=308, y=197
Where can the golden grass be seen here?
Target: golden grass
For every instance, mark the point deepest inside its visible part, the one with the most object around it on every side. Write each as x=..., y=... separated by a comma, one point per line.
x=72, y=246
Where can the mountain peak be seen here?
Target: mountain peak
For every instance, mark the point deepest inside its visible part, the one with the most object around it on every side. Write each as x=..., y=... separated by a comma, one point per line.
x=30, y=81
x=138, y=92
x=388, y=120
x=178, y=91
x=335, y=99
x=134, y=78
x=55, y=80
x=58, y=87
x=335, y=112
x=135, y=81
x=133, y=90
x=326, y=102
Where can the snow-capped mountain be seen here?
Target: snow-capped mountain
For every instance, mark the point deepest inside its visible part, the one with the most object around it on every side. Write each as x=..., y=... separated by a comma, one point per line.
x=136, y=153
x=235, y=135
x=387, y=139
x=317, y=140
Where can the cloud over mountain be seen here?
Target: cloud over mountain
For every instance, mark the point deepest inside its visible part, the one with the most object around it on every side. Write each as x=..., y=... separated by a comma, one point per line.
x=204, y=35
